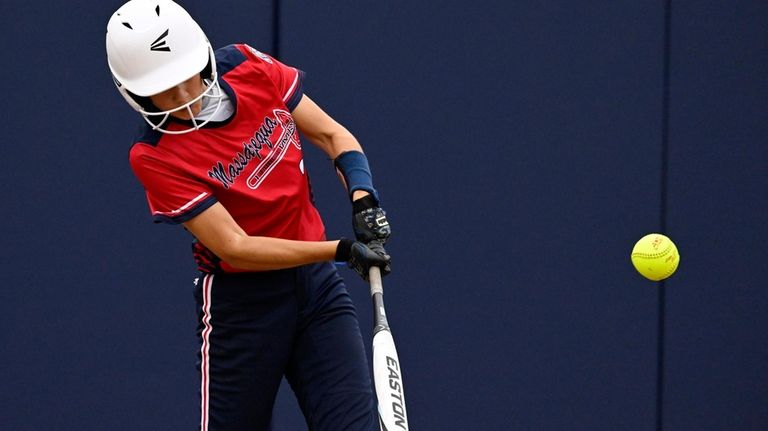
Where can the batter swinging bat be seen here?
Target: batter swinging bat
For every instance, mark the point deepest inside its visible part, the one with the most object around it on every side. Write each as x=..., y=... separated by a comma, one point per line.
x=386, y=366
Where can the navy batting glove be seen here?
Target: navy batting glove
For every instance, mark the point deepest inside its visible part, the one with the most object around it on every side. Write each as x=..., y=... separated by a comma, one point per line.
x=361, y=258
x=369, y=221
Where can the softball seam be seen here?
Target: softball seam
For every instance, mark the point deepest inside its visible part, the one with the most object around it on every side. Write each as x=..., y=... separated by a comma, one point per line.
x=654, y=255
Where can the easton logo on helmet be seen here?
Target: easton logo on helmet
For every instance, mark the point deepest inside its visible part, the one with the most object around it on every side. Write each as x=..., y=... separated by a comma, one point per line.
x=160, y=43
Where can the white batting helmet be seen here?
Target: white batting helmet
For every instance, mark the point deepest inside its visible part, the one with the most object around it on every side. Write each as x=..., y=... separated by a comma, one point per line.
x=153, y=45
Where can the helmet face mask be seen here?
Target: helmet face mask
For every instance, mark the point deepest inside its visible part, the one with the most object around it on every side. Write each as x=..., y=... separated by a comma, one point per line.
x=154, y=45
x=158, y=119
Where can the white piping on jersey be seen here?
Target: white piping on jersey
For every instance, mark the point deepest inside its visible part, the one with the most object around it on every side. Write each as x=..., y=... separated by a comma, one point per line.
x=293, y=85
x=183, y=207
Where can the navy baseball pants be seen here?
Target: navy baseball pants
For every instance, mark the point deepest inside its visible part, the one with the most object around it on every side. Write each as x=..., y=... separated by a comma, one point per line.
x=254, y=328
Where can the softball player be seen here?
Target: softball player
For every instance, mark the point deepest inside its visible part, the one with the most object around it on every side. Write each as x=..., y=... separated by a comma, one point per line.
x=220, y=153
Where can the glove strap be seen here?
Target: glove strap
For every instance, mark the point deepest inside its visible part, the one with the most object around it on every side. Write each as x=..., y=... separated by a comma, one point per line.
x=344, y=250
x=364, y=203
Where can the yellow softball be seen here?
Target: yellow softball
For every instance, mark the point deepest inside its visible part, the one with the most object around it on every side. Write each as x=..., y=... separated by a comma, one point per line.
x=655, y=257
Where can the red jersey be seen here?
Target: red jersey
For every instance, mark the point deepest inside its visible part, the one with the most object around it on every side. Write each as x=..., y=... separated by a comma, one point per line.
x=251, y=163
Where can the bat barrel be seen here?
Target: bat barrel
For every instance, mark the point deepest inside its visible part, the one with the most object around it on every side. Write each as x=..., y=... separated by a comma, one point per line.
x=386, y=365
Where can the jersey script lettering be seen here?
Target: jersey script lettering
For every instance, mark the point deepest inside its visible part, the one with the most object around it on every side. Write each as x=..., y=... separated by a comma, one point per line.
x=251, y=150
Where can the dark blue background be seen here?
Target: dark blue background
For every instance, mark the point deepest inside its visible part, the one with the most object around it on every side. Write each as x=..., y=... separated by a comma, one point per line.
x=520, y=148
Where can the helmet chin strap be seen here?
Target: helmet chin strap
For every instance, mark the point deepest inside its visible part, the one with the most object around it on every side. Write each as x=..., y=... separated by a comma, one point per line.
x=212, y=93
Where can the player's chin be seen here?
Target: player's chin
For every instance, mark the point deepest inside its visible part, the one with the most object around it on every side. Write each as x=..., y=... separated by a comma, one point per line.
x=184, y=115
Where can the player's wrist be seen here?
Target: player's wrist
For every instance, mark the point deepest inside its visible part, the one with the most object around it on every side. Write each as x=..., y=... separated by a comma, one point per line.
x=359, y=194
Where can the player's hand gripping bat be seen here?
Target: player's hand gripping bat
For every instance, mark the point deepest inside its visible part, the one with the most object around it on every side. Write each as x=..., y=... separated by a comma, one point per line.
x=387, y=377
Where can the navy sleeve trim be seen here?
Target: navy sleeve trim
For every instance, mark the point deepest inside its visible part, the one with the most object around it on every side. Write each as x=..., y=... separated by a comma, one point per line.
x=189, y=215
x=298, y=92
